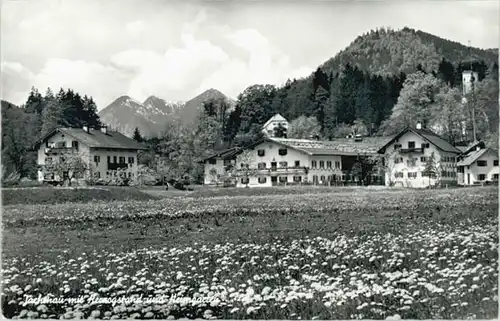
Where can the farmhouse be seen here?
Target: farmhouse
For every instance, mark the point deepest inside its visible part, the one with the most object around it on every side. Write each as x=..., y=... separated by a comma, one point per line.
x=477, y=165
x=67, y=153
x=281, y=161
x=417, y=157
x=274, y=122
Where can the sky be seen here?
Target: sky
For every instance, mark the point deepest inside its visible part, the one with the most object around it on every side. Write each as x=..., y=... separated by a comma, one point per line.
x=177, y=49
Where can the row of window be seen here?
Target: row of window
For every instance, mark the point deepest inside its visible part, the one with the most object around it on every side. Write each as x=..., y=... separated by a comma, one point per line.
x=116, y=159
x=315, y=179
x=281, y=152
x=483, y=163
x=411, y=145
x=121, y=174
x=423, y=160
x=314, y=164
x=413, y=175
x=482, y=177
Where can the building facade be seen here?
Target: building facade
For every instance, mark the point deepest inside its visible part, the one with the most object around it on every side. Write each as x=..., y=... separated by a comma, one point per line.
x=419, y=158
x=280, y=161
x=84, y=153
x=274, y=122
x=478, y=165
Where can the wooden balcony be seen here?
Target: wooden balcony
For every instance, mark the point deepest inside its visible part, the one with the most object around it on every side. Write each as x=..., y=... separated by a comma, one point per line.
x=416, y=150
x=116, y=166
x=59, y=150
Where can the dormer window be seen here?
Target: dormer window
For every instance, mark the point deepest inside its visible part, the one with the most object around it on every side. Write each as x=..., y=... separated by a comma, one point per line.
x=261, y=152
x=411, y=145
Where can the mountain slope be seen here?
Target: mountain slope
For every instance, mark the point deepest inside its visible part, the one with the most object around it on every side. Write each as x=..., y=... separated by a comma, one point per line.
x=385, y=51
x=154, y=114
x=125, y=114
x=189, y=113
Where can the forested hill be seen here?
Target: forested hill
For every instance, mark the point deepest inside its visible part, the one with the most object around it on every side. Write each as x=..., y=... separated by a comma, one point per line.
x=385, y=51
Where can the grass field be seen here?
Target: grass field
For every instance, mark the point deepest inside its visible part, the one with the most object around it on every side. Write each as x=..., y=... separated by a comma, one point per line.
x=292, y=254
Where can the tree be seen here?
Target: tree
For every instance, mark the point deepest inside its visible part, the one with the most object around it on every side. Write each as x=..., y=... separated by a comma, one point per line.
x=137, y=135
x=359, y=128
x=246, y=161
x=280, y=131
x=68, y=166
x=415, y=102
x=19, y=132
x=448, y=115
x=304, y=128
x=384, y=165
x=431, y=169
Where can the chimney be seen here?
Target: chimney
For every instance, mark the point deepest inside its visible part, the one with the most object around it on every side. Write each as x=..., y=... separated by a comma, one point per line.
x=86, y=128
x=419, y=125
x=104, y=129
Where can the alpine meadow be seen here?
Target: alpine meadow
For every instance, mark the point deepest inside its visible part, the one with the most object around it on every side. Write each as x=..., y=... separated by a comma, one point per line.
x=179, y=161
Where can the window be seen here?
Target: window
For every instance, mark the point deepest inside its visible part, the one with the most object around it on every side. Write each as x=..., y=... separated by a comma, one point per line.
x=260, y=165
x=337, y=164
x=262, y=180
x=398, y=160
x=482, y=177
x=122, y=160
x=423, y=159
x=212, y=161
x=244, y=180
x=495, y=177
x=114, y=159
x=261, y=152
x=109, y=159
x=328, y=164
x=97, y=174
x=62, y=145
x=322, y=178
x=74, y=144
x=495, y=162
x=398, y=175
x=130, y=160
x=411, y=145
x=410, y=162
x=284, y=164
x=482, y=163
x=396, y=146
x=129, y=174
x=313, y=164
x=297, y=179
x=297, y=163
x=315, y=178
x=282, y=151
x=97, y=158
x=283, y=179
x=48, y=160
x=444, y=174
x=321, y=164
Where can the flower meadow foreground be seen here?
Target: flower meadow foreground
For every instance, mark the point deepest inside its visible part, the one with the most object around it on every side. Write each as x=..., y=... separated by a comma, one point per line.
x=426, y=269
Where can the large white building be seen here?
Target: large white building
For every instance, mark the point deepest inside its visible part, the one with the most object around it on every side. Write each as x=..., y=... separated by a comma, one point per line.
x=105, y=153
x=281, y=161
x=409, y=154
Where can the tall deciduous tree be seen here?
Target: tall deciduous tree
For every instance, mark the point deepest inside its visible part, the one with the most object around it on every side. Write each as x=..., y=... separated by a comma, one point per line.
x=304, y=128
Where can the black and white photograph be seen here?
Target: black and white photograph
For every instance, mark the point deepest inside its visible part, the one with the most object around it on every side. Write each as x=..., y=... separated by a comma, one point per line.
x=249, y=159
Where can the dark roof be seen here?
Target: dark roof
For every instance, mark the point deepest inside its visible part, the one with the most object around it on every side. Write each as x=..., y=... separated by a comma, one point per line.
x=96, y=139
x=429, y=136
x=474, y=155
x=224, y=154
x=368, y=145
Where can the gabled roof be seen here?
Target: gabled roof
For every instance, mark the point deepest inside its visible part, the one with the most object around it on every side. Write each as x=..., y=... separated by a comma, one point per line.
x=96, y=139
x=276, y=117
x=347, y=147
x=429, y=136
x=475, y=155
x=224, y=154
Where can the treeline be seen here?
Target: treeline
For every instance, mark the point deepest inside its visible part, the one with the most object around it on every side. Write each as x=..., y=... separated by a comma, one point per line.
x=23, y=126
